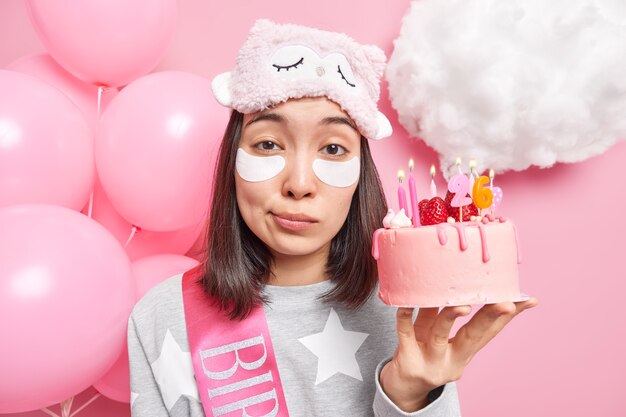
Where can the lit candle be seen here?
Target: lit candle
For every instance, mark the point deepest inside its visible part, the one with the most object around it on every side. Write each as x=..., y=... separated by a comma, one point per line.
x=401, y=192
x=413, y=195
x=458, y=164
x=433, y=186
x=473, y=174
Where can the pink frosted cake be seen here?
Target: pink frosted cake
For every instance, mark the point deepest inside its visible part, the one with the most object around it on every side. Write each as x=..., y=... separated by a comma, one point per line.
x=450, y=263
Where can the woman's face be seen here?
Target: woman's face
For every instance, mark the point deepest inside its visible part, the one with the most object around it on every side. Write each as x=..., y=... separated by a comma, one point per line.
x=297, y=170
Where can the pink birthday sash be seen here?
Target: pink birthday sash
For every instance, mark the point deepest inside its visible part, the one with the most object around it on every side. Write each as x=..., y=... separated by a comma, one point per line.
x=233, y=361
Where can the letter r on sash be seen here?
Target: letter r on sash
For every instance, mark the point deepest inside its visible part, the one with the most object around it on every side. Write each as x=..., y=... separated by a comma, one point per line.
x=236, y=348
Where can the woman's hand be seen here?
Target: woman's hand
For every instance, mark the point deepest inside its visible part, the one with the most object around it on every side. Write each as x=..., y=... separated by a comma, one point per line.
x=426, y=358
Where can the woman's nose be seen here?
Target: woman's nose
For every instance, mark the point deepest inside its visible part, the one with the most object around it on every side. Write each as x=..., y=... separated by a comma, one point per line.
x=299, y=179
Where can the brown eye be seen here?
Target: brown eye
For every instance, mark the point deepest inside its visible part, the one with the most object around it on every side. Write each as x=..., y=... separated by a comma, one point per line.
x=267, y=145
x=334, y=149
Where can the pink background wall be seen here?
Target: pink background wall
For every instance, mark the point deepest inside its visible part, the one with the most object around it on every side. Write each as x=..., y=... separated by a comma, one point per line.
x=564, y=357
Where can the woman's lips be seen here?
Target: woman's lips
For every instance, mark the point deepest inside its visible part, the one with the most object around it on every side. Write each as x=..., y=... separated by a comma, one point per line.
x=293, y=222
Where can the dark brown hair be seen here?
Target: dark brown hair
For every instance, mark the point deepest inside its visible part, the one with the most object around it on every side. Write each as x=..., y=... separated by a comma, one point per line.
x=236, y=262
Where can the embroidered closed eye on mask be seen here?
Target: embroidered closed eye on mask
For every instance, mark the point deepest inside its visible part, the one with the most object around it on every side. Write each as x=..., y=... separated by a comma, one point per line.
x=299, y=62
x=279, y=62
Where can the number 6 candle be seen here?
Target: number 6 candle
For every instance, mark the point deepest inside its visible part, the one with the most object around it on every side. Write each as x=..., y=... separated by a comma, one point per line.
x=482, y=197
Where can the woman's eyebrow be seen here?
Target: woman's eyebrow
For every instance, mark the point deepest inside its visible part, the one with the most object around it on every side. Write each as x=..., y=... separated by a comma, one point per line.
x=275, y=117
x=338, y=120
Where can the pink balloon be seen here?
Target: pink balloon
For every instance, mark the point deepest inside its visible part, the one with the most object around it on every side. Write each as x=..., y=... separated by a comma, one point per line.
x=46, y=147
x=498, y=195
x=146, y=242
x=66, y=292
x=156, y=150
x=147, y=273
x=105, y=42
x=84, y=95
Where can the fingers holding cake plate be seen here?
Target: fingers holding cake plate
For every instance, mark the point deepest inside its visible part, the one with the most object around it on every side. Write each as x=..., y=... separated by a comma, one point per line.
x=427, y=357
x=424, y=322
x=442, y=326
x=421, y=361
x=487, y=323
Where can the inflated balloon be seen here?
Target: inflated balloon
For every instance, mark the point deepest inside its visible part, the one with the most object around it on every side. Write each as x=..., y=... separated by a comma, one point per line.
x=147, y=273
x=46, y=146
x=144, y=242
x=105, y=42
x=498, y=195
x=84, y=95
x=67, y=289
x=156, y=149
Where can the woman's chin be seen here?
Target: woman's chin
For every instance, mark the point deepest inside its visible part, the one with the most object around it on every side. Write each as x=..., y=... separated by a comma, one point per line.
x=298, y=247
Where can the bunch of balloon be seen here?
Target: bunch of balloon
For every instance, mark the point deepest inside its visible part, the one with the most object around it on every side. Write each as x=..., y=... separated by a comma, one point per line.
x=155, y=155
x=102, y=193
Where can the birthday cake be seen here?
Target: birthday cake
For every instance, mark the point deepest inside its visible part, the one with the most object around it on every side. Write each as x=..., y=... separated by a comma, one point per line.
x=452, y=256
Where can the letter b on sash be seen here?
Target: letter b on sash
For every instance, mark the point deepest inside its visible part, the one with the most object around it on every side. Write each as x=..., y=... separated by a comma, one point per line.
x=233, y=347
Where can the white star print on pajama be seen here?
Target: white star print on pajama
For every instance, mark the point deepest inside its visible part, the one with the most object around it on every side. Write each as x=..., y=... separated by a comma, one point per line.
x=328, y=356
x=335, y=349
x=173, y=371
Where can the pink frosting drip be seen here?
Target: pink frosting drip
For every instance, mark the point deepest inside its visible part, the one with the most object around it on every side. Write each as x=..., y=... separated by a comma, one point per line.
x=441, y=233
x=483, y=241
x=460, y=228
x=377, y=233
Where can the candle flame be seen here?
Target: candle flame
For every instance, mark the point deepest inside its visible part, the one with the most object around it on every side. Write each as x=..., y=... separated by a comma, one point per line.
x=458, y=161
x=472, y=164
x=433, y=171
x=411, y=164
x=400, y=175
x=491, y=174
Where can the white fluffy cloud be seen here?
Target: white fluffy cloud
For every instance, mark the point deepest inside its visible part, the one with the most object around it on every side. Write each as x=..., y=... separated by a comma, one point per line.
x=512, y=83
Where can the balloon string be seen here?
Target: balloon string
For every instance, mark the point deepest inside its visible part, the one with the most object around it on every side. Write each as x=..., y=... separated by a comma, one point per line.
x=100, y=90
x=90, y=204
x=134, y=230
x=95, y=397
x=50, y=413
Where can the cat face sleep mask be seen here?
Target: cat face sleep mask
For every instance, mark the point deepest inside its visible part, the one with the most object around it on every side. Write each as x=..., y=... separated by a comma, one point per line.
x=282, y=61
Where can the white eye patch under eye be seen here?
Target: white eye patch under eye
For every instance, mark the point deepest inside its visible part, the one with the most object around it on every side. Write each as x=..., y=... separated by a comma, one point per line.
x=258, y=168
x=337, y=174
